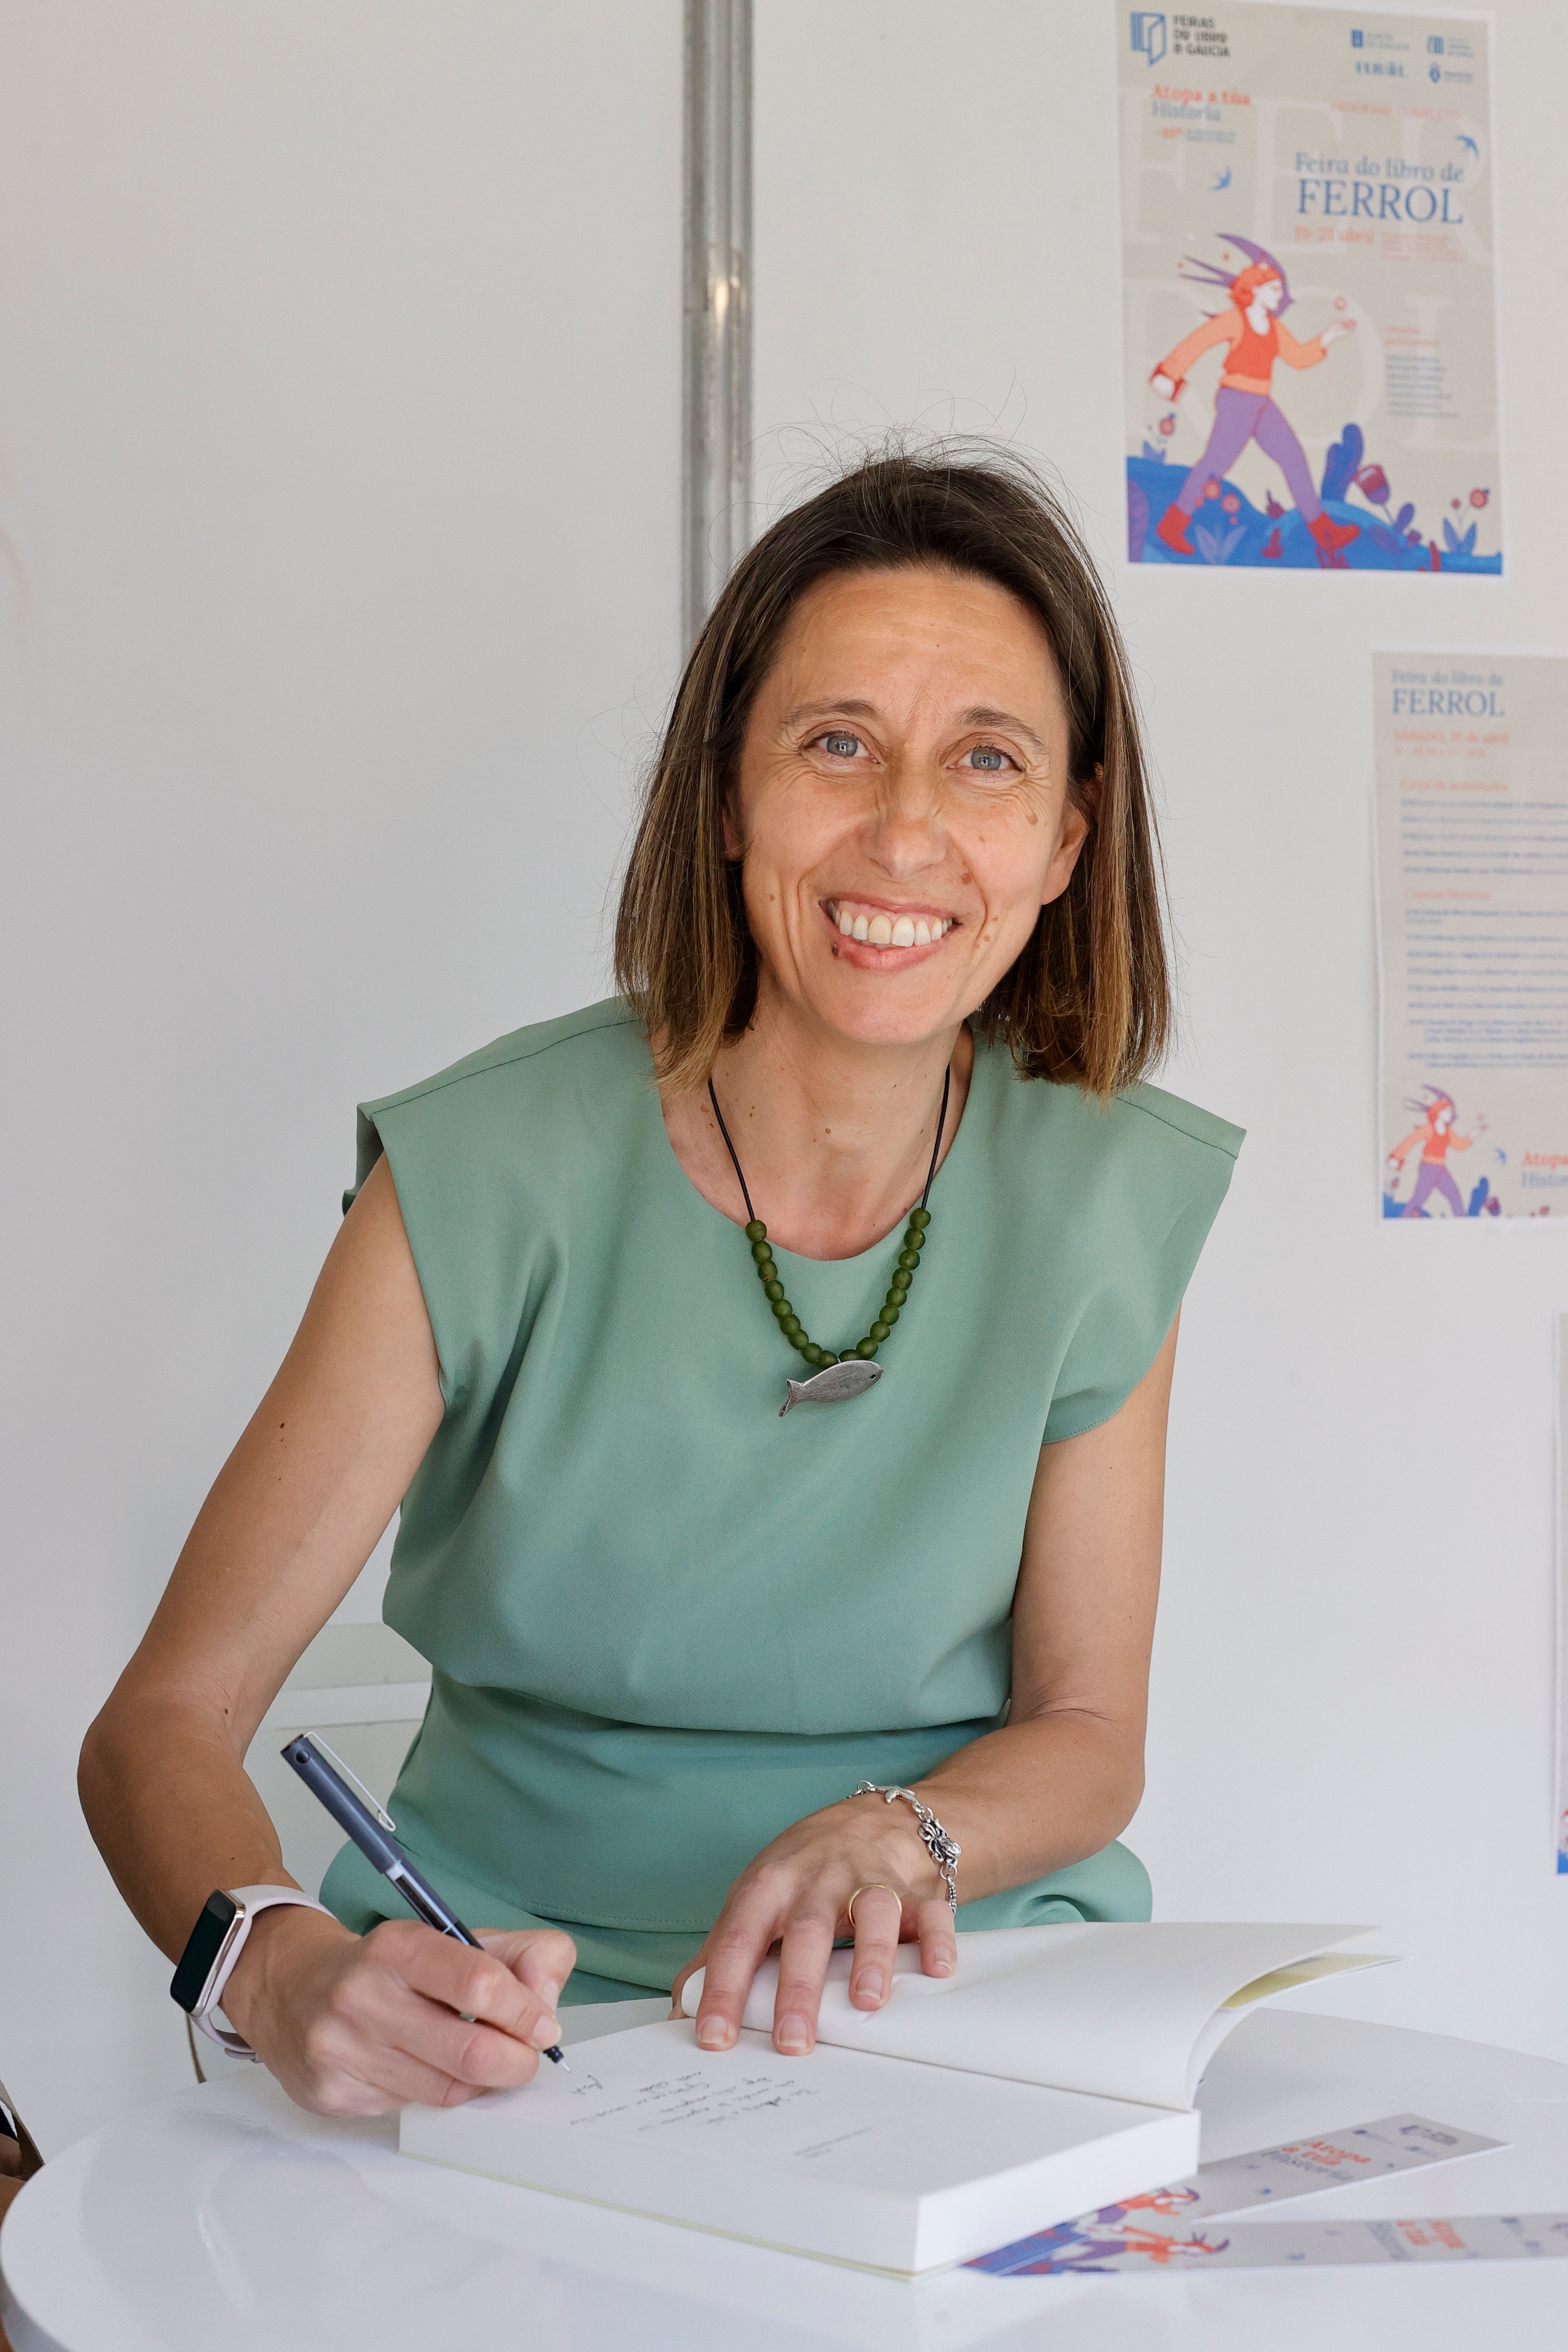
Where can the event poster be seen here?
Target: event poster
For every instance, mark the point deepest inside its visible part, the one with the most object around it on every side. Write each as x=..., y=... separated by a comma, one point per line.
x=1311, y=342
x=1471, y=764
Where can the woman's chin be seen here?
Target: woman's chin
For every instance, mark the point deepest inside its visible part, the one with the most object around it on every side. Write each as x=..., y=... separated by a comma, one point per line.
x=865, y=1010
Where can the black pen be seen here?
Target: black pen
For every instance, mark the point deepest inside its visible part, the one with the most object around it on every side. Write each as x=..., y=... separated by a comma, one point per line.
x=378, y=1848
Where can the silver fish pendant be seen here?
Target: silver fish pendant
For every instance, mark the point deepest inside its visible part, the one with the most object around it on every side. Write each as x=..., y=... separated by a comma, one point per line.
x=832, y=1384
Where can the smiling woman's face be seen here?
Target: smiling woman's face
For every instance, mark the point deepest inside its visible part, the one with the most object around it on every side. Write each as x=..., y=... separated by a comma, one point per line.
x=903, y=807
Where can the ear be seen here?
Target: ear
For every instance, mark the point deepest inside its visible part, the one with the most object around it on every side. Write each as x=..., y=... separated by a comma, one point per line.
x=1078, y=820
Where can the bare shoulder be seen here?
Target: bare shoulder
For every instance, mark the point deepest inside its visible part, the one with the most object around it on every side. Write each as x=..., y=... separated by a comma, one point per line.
x=370, y=1279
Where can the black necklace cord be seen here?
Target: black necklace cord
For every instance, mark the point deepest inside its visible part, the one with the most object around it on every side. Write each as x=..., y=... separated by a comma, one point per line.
x=740, y=1173
x=750, y=1213
x=896, y=1299
x=940, y=1125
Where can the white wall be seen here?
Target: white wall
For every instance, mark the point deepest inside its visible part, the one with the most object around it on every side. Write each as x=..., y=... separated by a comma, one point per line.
x=339, y=452
x=339, y=386
x=1352, y=1684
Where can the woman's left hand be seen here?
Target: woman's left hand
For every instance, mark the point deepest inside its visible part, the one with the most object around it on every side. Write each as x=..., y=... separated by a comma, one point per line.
x=797, y=1896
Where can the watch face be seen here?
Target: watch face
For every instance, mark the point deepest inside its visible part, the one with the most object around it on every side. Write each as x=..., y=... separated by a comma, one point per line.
x=218, y=1915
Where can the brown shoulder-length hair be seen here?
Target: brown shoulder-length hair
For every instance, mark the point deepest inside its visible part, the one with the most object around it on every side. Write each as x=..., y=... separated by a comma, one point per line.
x=1088, y=1001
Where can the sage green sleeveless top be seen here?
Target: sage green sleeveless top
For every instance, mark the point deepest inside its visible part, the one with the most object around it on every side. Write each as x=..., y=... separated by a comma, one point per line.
x=665, y=1623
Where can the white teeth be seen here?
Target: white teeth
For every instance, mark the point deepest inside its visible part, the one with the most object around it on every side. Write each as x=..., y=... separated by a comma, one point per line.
x=890, y=930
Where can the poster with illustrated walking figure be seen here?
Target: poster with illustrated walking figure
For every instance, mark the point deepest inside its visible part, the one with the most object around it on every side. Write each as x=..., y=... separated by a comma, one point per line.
x=1471, y=764
x=1310, y=344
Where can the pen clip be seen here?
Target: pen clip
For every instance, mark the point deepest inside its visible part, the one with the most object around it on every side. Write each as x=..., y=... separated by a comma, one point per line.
x=371, y=1803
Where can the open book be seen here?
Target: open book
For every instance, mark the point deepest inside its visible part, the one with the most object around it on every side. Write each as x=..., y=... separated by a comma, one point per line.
x=1053, y=2074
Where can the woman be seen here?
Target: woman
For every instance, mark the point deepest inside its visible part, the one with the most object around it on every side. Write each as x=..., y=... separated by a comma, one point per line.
x=1437, y=1136
x=1244, y=409
x=891, y=915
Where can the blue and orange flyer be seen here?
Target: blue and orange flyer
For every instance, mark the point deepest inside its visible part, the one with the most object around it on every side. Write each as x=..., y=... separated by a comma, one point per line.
x=1308, y=267
x=1472, y=859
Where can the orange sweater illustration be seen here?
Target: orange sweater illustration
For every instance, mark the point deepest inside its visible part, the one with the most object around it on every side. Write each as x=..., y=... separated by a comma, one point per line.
x=1249, y=360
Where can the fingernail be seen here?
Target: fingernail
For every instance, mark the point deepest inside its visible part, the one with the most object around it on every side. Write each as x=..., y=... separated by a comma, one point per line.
x=550, y=1991
x=713, y=2033
x=545, y=2032
x=941, y=1968
x=793, y=2035
x=869, y=1984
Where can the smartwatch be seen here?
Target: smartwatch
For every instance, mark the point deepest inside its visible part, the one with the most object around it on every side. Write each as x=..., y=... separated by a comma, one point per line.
x=216, y=1942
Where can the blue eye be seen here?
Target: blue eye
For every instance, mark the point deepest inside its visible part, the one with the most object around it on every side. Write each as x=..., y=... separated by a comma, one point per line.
x=839, y=746
x=988, y=759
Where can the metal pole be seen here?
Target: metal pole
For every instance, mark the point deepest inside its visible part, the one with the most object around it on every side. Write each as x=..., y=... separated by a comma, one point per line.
x=717, y=456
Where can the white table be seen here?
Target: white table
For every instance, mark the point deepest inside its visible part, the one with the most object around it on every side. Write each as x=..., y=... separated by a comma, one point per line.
x=225, y=2218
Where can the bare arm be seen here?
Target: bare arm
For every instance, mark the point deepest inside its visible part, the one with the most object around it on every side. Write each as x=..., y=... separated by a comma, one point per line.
x=295, y=1513
x=1055, y=1784
x=1065, y=1775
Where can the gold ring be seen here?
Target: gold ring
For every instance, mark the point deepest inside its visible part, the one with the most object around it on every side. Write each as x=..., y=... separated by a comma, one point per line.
x=877, y=1886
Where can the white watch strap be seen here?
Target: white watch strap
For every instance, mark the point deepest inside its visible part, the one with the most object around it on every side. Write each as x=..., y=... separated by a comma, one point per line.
x=252, y=1902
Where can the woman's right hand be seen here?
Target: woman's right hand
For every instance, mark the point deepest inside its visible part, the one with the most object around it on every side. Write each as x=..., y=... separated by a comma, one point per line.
x=354, y=2025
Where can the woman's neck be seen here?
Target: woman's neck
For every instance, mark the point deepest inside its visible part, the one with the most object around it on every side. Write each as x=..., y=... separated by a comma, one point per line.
x=834, y=1135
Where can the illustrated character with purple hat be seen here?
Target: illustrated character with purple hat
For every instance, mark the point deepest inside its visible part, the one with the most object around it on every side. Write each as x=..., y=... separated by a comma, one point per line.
x=1437, y=1136
x=1254, y=339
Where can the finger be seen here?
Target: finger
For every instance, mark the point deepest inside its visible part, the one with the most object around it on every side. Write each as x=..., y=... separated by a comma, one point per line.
x=384, y=2013
x=475, y=1984
x=939, y=1945
x=470, y=2052
x=737, y=1948
x=803, y=1966
x=368, y=2081
x=358, y=2082
x=699, y=1960
x=373, y=2044
x=879, y=1916
x=541, y=1958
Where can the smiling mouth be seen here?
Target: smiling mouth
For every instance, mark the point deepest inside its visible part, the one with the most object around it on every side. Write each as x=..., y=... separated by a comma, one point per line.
x=874, y=927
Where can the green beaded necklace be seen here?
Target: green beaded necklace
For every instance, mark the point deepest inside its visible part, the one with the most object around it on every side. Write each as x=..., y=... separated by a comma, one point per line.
x=833, y=1384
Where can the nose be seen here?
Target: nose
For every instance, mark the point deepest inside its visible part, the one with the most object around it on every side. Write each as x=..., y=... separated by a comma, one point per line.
x=909, y=836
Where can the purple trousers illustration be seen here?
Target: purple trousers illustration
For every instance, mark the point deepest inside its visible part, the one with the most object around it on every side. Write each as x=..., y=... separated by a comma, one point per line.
x=1434, y=1178
x=1240, y=417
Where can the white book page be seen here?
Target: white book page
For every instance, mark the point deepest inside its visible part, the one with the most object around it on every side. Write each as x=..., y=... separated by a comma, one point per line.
x=869, y=2127
x=1118, y=2011
x=841, y=2154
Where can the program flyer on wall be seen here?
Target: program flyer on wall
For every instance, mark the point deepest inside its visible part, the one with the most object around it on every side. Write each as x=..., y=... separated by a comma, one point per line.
x=1310, y=340
x=1471, y=763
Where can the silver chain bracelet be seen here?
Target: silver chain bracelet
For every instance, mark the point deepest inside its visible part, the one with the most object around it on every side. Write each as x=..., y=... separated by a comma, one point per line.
x=944, y=1850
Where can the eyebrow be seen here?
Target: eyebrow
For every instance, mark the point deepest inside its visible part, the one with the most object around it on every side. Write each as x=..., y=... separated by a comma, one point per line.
x=982, y=715
x=828, y=710
x=979, y=714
